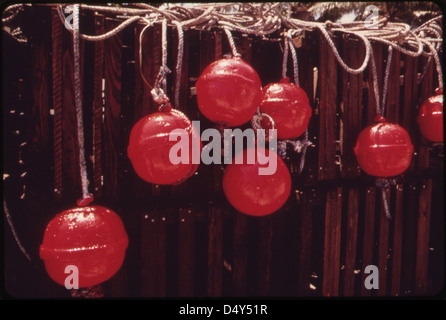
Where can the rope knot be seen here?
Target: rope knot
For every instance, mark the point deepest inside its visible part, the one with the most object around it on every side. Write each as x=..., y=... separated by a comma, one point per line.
x=162, y=99
x=85, y=200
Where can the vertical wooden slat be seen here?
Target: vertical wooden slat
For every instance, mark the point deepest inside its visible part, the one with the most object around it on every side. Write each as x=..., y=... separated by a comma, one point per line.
x=265, y=255
x=215, y=252
x=305, y=238
x=352, y=233
x=369, y=227
x=153, y=254
x=332, y=242
x=99, y=24
x=143, y=103
x=424, y=215
x=426, y=91
x=57, y=101
x=409, y=239
x=112, y=114
x=186, y=252
x=327, y=107
x=240, y=257
x=383, y=246
x=393, y=89
x=352, y=110
x=410, y=94
x=397, y=241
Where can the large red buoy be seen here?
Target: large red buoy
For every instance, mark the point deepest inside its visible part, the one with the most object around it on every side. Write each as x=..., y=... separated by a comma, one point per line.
x=252, y=193
x=229, y=91
x=384, y=149
x=149, y=148
x=92, y=239
x=430, y=118
x=289, y=107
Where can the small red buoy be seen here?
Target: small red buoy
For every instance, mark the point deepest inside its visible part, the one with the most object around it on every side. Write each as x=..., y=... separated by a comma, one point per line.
x=384, y=149
x=92, y=238
x=252, y=193
x=149, y=148
x=289, y=106
x=229, y=91
x=430, y=118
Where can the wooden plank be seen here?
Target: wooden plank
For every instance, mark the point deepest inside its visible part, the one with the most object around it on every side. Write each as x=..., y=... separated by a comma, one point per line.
x=153, y=254
x=352, y=234
x=143, y=102
x=409, y=239
x=186, y=252
x=426, y=91
x=112, y=114
x=393, y=89
x=99, y=23
x=351, y=118
x=383, y=245
x=305, y=238
x=265, y=237
x=397, y=241
x=57, y=101
x=215, y=252
x=327, y=107
x=422, y=249
x=332, y=242
x=369, y=228
x=410, y=94
x=240, y=257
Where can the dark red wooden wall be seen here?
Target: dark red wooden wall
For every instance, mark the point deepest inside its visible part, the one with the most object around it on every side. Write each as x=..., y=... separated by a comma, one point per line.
x=186, y=240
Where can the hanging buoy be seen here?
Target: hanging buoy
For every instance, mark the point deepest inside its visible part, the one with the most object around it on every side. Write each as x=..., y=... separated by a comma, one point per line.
x=430, y=118
x=289, y=106
x=149, y=148
x=229, y=91
x=384, y=149
x=91, y=239
x=252, y=193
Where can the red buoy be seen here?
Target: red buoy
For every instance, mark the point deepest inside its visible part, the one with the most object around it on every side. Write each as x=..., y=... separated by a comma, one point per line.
x=229, y=91
x=149, y=148
x=384, y=149
x=92, y=238
x=289, y=107
x=430, y=118
x=252, y=193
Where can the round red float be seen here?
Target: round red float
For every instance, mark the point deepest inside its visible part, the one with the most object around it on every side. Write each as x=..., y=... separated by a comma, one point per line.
x=384, y=149
x=289, y=106
x=430, y=118
x=229, y=91
x=252, y=193
x=92, y=238
x=149, y=148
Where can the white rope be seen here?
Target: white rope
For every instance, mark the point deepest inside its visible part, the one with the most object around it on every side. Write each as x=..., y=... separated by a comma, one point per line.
x=78, y=102
x=231, y=43
x=179, y=62
x=13, y=230
x=386, y=80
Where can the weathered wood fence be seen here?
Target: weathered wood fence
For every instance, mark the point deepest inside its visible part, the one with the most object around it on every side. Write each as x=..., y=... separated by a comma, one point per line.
x=186, y=240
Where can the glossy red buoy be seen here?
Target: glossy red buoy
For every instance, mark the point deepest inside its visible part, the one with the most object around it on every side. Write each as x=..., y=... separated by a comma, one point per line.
x=255, y=194
x=289, y=106
x=149, y=148
x=91, y=238
x=430, y=118
x=229, y=91
x=384, y=149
